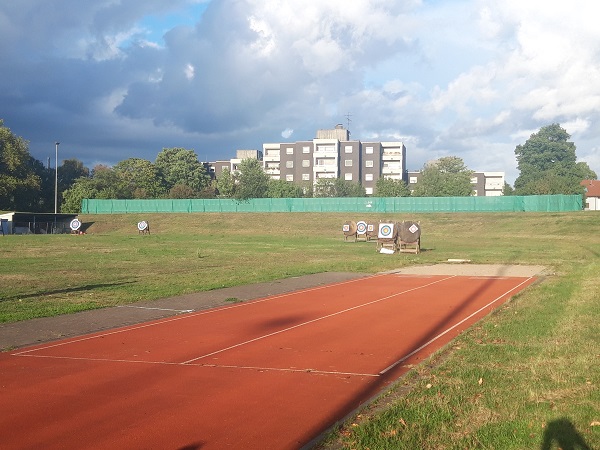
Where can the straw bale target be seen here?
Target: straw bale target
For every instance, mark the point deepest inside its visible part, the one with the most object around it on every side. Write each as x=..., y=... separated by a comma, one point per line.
x=372, y=231
x=409, y=236
x=349, y=229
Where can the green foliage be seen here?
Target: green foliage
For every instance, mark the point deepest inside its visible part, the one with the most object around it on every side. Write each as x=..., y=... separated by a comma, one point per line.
x=336, y=187
x=445, y=177
x=19, y=182
x=226, y=184
x=181, y=166
x=142, y=178
x=547, y=164
x=82, y=188
x=284, y=189
x=387, y=187
x=251, y=180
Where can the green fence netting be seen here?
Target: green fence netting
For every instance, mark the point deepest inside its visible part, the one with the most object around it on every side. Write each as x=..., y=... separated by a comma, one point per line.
x=534, y=203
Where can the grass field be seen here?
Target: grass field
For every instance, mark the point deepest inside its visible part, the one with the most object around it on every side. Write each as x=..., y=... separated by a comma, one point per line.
x=526, y=377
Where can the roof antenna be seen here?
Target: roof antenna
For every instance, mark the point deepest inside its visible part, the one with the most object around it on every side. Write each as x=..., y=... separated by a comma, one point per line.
x=348, y=120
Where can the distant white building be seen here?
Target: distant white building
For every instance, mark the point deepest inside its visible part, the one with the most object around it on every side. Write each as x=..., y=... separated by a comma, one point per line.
x=485, y=184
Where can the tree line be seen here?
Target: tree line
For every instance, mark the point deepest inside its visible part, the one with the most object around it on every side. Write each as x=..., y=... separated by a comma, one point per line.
x=547, y=163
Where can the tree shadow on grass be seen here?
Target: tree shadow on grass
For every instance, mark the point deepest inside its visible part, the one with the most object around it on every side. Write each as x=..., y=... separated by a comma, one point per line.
x=564, y=434
x=84, y=288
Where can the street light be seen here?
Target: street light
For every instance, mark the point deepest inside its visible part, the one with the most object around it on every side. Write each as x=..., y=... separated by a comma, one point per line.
x=56, y=181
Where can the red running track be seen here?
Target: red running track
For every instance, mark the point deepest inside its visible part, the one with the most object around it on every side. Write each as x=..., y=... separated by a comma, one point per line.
x=271, y=373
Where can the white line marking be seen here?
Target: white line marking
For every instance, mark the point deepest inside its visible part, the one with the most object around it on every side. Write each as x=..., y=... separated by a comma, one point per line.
x=315, y=320
x=199, y=313
x=156, y=309
x=279, y=369
x=210, y=366
x=404, y=358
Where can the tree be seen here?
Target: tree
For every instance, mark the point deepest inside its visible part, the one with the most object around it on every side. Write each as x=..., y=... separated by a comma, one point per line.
x=284, y=189
x=69, y=171
x=251, y=180
x=548, y=164
x=226, y=184
x=143, y=179
x=18, y=181
x=181, y=166
x=336, y=187
x=387, y=187
x=83, y=187
x=445, y=177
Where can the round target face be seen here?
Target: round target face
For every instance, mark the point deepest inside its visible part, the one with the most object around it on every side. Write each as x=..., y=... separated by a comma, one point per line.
x=75, y=224
x=361, y=227
x=346, y=227
x=142, y=225
x=385, y=230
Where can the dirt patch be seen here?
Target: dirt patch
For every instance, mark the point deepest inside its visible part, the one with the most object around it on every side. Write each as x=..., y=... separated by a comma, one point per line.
x=480, y=270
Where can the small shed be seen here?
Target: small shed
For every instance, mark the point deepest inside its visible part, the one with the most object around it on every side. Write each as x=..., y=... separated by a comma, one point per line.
x=35, y=223
x=592, y=194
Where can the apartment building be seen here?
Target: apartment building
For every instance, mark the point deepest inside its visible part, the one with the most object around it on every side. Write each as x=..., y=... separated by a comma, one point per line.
x=485, y=184
x=331, y=154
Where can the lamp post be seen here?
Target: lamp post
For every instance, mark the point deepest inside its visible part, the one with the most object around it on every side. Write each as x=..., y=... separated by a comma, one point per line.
x=56, y=180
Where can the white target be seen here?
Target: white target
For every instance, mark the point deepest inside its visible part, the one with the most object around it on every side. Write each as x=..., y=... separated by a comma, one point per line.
x=75, y=224
x=361, y=227
x=346, y=228
x=142, y=226
x=386, y=230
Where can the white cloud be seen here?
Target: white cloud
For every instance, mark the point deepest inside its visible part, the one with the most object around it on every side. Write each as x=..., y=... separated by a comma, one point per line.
x=469, y=78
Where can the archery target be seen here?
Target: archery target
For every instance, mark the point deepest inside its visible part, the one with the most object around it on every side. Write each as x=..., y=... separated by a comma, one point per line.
x=361, y=227
x=142, y=225
x=386, y=231
x=75, y=224
x=370, y=228
x=346, y=227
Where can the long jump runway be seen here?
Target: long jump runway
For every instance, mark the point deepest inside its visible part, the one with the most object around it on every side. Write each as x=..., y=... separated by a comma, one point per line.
x=270, y=373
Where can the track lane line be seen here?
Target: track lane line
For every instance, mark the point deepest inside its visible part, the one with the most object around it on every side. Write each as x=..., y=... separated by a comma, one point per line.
x=191, y=315
x=404, y=358
x=315, y=320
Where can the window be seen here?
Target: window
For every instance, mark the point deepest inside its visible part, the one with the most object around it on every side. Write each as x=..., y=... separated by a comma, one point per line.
x=369, y=163
x=306, y=163
x=289, y=164
x=369, y=150
x=289, y=177
x=369, y=191
x=289, y=150
x=305, y=176
x=474, y=180
x=348, y=176
x=368, y=177
x=305, y=149
x=348, y=163
x=348, y=149
x=412, y=180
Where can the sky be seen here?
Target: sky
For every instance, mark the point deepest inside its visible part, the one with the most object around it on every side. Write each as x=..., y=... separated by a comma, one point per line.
x=118, y=79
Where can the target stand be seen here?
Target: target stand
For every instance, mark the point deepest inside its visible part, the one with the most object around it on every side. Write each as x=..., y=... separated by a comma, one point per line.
x=143, y=227
x=349, y=229
x=75, y=225
x=361, y=231
x=387, y=237
x=409, y=237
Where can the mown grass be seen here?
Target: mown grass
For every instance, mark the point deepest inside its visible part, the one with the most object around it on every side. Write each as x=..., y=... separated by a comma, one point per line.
x=528, y=372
